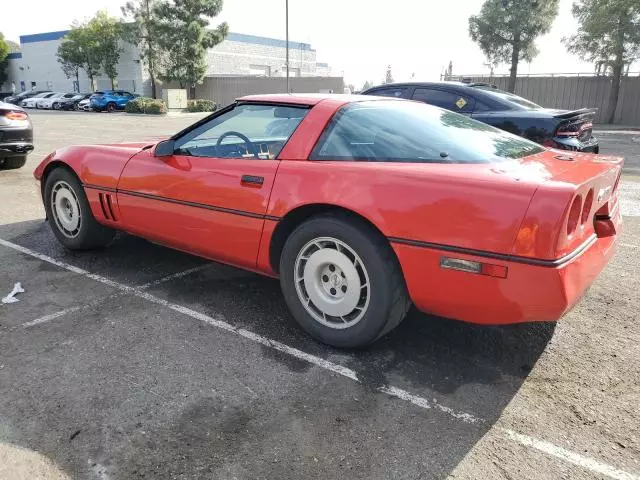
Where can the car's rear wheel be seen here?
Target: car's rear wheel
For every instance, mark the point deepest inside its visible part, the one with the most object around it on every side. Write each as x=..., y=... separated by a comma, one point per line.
x=111, y=107
x=69, y=214
x=342, y=282
x=11, y=163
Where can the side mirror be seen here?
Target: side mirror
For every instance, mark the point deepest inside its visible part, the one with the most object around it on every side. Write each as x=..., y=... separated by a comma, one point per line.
x=165, y=148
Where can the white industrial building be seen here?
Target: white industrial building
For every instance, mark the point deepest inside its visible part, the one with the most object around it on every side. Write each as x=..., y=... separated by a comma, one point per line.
x=36, y=65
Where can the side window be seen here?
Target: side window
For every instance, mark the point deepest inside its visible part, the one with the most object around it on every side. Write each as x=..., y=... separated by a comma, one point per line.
x=246, y=131
x=375, y=133
x=480, y=106
x=396, y=92
x=410, y=132
x=440, y=98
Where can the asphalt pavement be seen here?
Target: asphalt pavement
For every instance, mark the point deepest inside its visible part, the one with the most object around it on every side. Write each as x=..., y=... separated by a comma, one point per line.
x=137, y=361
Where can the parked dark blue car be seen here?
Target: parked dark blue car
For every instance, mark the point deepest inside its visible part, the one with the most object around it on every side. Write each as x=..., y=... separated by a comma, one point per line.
x=563, y=129
x=110, y=100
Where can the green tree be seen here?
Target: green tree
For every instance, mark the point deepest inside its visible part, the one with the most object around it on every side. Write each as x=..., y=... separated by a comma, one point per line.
x=506, y=30
x=81, y=47
x=142, y=29
x=105, y=33
x=185, y=38
x=71, y=58
x=608, y=35
x=367, y=85
x=388, y=77
x=4, y=54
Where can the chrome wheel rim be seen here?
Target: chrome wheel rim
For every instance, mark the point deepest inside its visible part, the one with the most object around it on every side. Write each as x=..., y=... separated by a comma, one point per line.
x=66, y=209
x=332, y=283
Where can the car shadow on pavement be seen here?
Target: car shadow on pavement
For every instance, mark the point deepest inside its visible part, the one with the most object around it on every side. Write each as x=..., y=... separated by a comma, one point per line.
x=469, y=368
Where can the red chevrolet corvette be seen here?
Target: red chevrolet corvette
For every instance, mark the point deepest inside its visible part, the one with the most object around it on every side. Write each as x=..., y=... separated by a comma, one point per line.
x=360, y=205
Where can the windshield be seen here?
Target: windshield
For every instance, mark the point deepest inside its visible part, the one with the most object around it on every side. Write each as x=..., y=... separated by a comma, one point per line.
x=400, y=131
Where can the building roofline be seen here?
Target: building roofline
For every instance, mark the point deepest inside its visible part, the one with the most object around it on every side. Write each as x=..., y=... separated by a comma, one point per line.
x=43, y=37
x=232, y=36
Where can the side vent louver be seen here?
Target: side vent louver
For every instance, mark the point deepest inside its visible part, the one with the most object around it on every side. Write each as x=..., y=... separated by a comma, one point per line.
x=107, y=206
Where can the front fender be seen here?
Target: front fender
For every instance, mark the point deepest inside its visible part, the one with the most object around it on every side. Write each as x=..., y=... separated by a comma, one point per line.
x=99, y=165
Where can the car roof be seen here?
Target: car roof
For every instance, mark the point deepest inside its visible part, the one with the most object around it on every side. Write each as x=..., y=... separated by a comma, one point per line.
x=421, y=84
x=304, y=98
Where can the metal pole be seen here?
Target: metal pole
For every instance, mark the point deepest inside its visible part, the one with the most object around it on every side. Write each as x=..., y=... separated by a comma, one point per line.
x=287, y=41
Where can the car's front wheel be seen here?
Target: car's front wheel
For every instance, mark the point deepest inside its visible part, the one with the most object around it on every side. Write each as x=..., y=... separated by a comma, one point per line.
x=341, y=281
x=69, y=213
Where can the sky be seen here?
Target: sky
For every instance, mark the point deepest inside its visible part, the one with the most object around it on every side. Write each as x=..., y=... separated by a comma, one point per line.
x=358, y=38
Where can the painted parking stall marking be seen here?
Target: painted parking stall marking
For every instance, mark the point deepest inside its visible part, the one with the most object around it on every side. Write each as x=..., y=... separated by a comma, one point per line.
x=168, y=278
x=541, y=445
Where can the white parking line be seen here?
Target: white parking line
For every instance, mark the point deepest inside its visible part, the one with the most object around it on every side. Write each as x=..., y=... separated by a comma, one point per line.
x=173, y=276
x=540, y=445
x=628, y=245
x=52, y=316
x=568, y=456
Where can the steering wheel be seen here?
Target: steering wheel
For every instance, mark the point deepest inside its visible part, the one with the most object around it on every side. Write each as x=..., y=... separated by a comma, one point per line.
x=250, y=146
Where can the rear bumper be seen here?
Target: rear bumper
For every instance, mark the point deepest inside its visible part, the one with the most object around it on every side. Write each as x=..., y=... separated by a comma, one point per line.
x=573, y=144
x=16, y=141
x=529, y=293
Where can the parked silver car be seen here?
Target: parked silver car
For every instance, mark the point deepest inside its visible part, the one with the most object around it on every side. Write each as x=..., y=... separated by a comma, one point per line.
x=31, y=102
x=47, y=103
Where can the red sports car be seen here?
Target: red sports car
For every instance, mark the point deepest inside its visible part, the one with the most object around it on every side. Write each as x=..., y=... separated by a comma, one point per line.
x=360, y=205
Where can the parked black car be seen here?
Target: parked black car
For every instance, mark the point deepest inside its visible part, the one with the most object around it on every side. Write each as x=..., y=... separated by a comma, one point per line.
x=16, y=136
x=563, y=129
x=70, y=103
x=18, y=97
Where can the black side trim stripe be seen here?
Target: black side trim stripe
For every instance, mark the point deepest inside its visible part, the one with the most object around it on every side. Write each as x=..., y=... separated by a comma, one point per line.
x=102, y=189
x=185, y=202
x=499, y=256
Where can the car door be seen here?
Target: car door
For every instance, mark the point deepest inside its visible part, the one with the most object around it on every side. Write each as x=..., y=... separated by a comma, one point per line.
x=210, y=196
x=123, y=98
x=451, y=100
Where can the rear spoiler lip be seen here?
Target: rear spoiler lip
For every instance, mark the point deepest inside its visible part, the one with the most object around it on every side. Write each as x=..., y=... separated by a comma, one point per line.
x=576, y=113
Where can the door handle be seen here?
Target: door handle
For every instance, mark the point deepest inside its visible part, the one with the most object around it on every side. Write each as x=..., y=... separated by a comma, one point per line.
x=251, y=180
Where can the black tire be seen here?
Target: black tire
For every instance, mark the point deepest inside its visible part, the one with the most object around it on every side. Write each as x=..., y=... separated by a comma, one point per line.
x=11, y=163
x=111, y=107
x=388, y=297
x=90, y=234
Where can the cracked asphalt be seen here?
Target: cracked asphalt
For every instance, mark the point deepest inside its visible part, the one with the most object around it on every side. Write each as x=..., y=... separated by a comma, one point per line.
x=160, y=365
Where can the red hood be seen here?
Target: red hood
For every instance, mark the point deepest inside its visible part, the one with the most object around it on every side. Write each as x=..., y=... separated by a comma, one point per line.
x=96, y=164
x=139, y=145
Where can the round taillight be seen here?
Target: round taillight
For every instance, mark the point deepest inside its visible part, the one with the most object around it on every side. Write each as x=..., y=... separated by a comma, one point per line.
x=586, y=208
x=574, y=215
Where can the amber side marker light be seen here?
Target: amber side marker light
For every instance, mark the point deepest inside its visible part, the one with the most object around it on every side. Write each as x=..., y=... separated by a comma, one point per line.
x=469, y=266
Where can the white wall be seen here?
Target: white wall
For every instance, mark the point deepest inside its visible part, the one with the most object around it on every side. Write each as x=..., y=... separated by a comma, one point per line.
x=237, y=55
